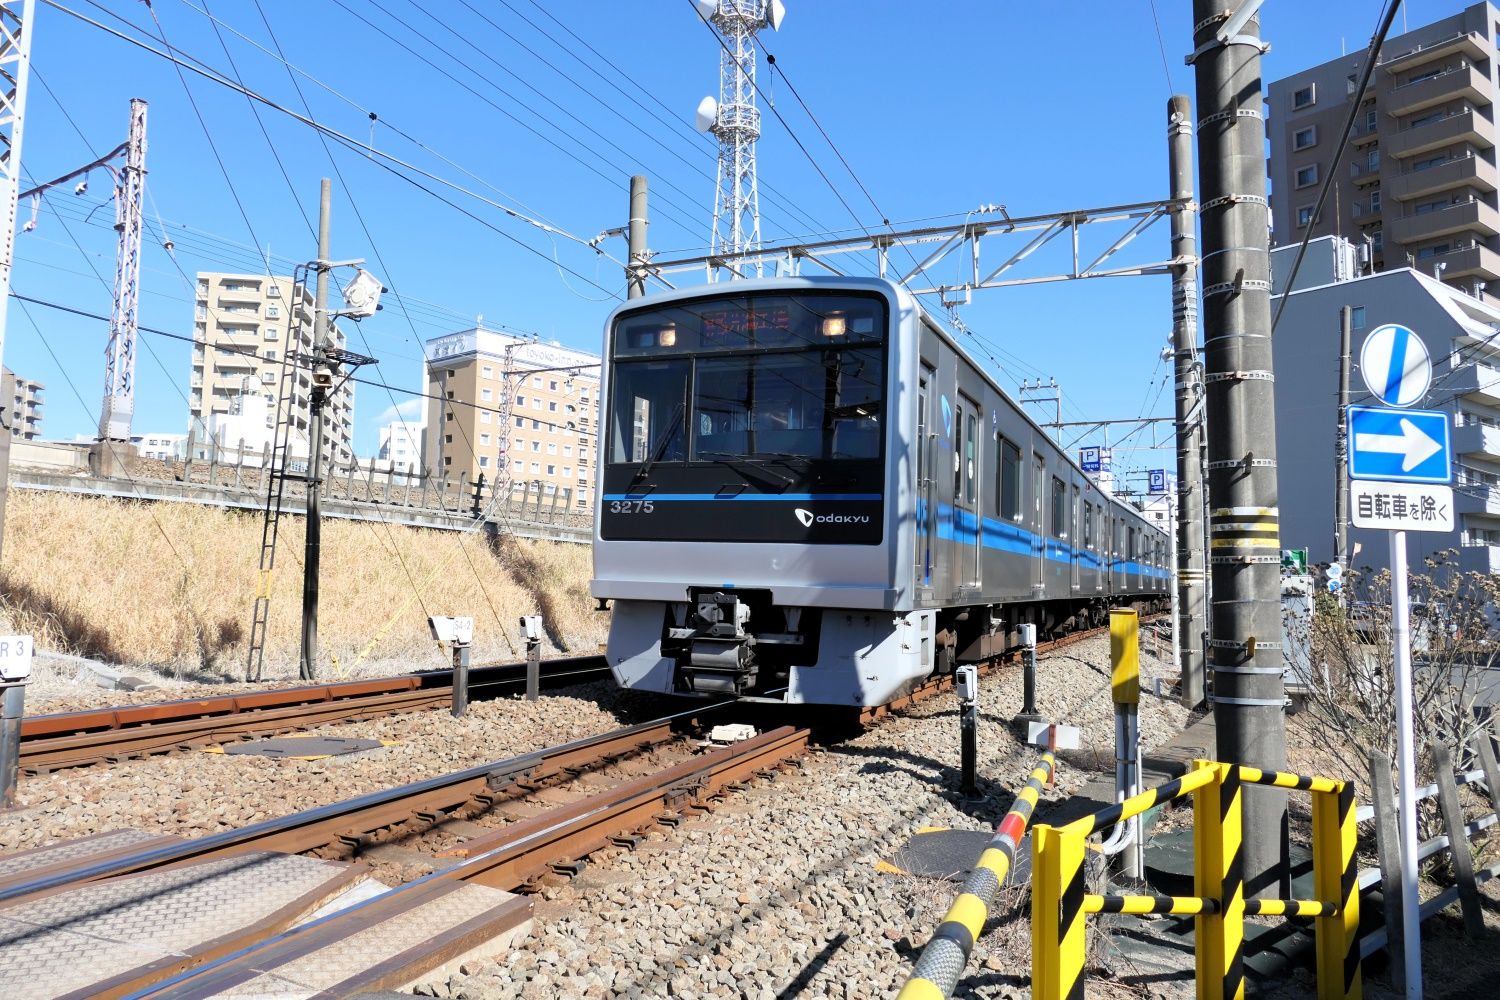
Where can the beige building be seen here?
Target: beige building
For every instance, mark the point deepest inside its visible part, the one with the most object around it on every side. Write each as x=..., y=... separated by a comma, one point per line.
x=539, y=424
x=26, y=408
x=1417, y=184
x=244, y=324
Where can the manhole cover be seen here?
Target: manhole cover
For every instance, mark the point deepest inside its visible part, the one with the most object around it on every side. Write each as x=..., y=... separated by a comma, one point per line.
x=302, y=747
x=951, y=854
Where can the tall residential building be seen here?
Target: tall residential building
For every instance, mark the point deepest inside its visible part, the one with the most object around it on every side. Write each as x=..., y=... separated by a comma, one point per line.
x=243, y=325
x=26, y=408
x=550, y=438
x=401, y=445
x=1416, y=185
x=1460, y=333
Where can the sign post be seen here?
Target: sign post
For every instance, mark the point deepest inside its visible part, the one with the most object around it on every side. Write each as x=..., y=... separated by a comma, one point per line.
x=1400, y=465
x=15, y=670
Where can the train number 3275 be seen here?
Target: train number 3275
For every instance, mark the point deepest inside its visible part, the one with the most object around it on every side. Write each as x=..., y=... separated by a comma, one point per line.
x=631, y=507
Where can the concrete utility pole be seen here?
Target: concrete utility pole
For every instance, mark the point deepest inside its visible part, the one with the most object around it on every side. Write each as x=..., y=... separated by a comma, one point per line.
x=322, y=379
x=1341, y=445
x=635, y=271
x=1245, y=564
x=1191, y=623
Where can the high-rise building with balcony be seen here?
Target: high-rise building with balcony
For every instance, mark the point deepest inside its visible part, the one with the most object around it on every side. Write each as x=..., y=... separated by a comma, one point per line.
x=496, y=398
x=1416, y=186
x=243, y=326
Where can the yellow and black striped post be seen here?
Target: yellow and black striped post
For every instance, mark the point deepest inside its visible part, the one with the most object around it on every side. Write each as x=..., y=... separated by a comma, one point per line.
x=1058, y=926
x=943, y=959
x=1336, y=881
x=1216, y=851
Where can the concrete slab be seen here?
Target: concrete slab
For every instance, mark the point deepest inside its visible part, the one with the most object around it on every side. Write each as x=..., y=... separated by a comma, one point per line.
x=105, y=938
x=23, y=866
x=425, y=943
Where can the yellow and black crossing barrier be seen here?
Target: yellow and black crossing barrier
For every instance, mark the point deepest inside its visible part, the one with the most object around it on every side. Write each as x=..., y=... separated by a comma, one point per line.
x=1059, y=901
x=943, y=959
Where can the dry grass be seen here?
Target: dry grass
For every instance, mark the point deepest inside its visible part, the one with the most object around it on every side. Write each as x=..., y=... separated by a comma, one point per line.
x=173, y=585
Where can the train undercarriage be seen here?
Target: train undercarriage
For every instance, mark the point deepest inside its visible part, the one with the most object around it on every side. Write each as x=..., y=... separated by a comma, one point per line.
x=739, y=643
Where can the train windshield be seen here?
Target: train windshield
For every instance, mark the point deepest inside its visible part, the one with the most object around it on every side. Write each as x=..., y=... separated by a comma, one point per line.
x=782, y=378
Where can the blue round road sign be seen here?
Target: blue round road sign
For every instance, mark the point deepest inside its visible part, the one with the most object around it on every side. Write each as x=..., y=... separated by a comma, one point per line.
x=1395, y=366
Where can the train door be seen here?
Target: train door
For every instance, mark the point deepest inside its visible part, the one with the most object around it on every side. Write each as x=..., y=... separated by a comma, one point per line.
x=926, y=508
x=966, y=496
x=1076, y=541
x=1039, y=525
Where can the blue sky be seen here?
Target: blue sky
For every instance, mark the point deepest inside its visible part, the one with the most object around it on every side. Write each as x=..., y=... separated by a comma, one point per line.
x=1042, y=107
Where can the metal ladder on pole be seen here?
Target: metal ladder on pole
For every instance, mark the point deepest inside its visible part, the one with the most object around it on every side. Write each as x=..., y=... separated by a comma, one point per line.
x=277, y=473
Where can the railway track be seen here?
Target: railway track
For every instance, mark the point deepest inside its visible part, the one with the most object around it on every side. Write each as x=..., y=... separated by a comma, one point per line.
x=651, y=776
x=513, y=856
x=75, y=739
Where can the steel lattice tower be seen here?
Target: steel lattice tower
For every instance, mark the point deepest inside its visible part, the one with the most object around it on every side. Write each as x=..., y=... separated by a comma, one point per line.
x=735, y=122
x=16, y=19
x=119, y=357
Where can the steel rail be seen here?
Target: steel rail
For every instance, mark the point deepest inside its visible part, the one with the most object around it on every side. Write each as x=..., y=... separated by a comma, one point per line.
x=509, y=858
x=73, y=739
x=347, y=821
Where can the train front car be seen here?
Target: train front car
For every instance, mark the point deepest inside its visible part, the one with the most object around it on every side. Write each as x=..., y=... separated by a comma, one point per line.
x=752, y=463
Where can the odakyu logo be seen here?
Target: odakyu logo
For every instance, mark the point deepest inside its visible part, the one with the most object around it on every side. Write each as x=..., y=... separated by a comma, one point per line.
x=808, y=518
x=947, y=417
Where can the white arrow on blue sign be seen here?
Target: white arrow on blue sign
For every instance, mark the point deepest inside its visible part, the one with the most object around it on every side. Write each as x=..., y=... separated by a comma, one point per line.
x=1400, y=446
x=1395, y=366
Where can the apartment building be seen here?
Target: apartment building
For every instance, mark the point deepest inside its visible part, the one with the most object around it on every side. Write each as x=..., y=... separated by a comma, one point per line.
x=1417, y=184
x=401, y=446
x=538, y=422
x=26, y=407
x=244, y=325
x=1462, y=336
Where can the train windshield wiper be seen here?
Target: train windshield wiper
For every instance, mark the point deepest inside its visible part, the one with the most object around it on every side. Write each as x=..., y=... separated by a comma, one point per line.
x=755, y=461
x=666, y=439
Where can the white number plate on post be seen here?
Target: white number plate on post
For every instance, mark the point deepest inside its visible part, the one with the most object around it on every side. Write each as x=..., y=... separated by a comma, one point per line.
x=15, y=657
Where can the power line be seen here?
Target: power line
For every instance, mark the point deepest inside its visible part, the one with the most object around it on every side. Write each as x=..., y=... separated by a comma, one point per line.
x=1338, y=152
x=381, y=158
x=671, y=121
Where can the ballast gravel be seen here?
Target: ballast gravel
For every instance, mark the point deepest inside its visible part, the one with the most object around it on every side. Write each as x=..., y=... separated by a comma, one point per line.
x=195, y=793
x=776, y=894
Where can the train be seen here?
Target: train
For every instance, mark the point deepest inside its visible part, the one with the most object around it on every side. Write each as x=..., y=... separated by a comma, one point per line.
x=808, y=492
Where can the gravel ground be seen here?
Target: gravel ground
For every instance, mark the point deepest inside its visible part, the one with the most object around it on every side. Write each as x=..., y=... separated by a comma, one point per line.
x=776, y=894
x=192, y=794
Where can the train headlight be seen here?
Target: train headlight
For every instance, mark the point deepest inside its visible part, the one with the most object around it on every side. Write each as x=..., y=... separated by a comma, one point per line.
x=667, y=336
x=835, y=325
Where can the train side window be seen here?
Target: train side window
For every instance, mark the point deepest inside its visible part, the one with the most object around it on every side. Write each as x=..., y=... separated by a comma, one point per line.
x=1008, y=482
x=1059, y=508
x=971, y=458
x=1088, y=525
x=1038, y=477
x=958, y=460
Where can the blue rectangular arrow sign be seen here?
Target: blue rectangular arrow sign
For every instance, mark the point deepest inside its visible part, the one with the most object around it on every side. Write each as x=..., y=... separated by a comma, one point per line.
x=1399, y=446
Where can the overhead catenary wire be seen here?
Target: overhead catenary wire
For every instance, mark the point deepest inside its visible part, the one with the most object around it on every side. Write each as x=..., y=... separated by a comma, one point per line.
x=501, y=109
x=385, y=160
x=671, y=121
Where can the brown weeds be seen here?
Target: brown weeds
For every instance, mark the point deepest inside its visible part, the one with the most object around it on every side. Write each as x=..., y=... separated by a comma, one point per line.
x=172, y=586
